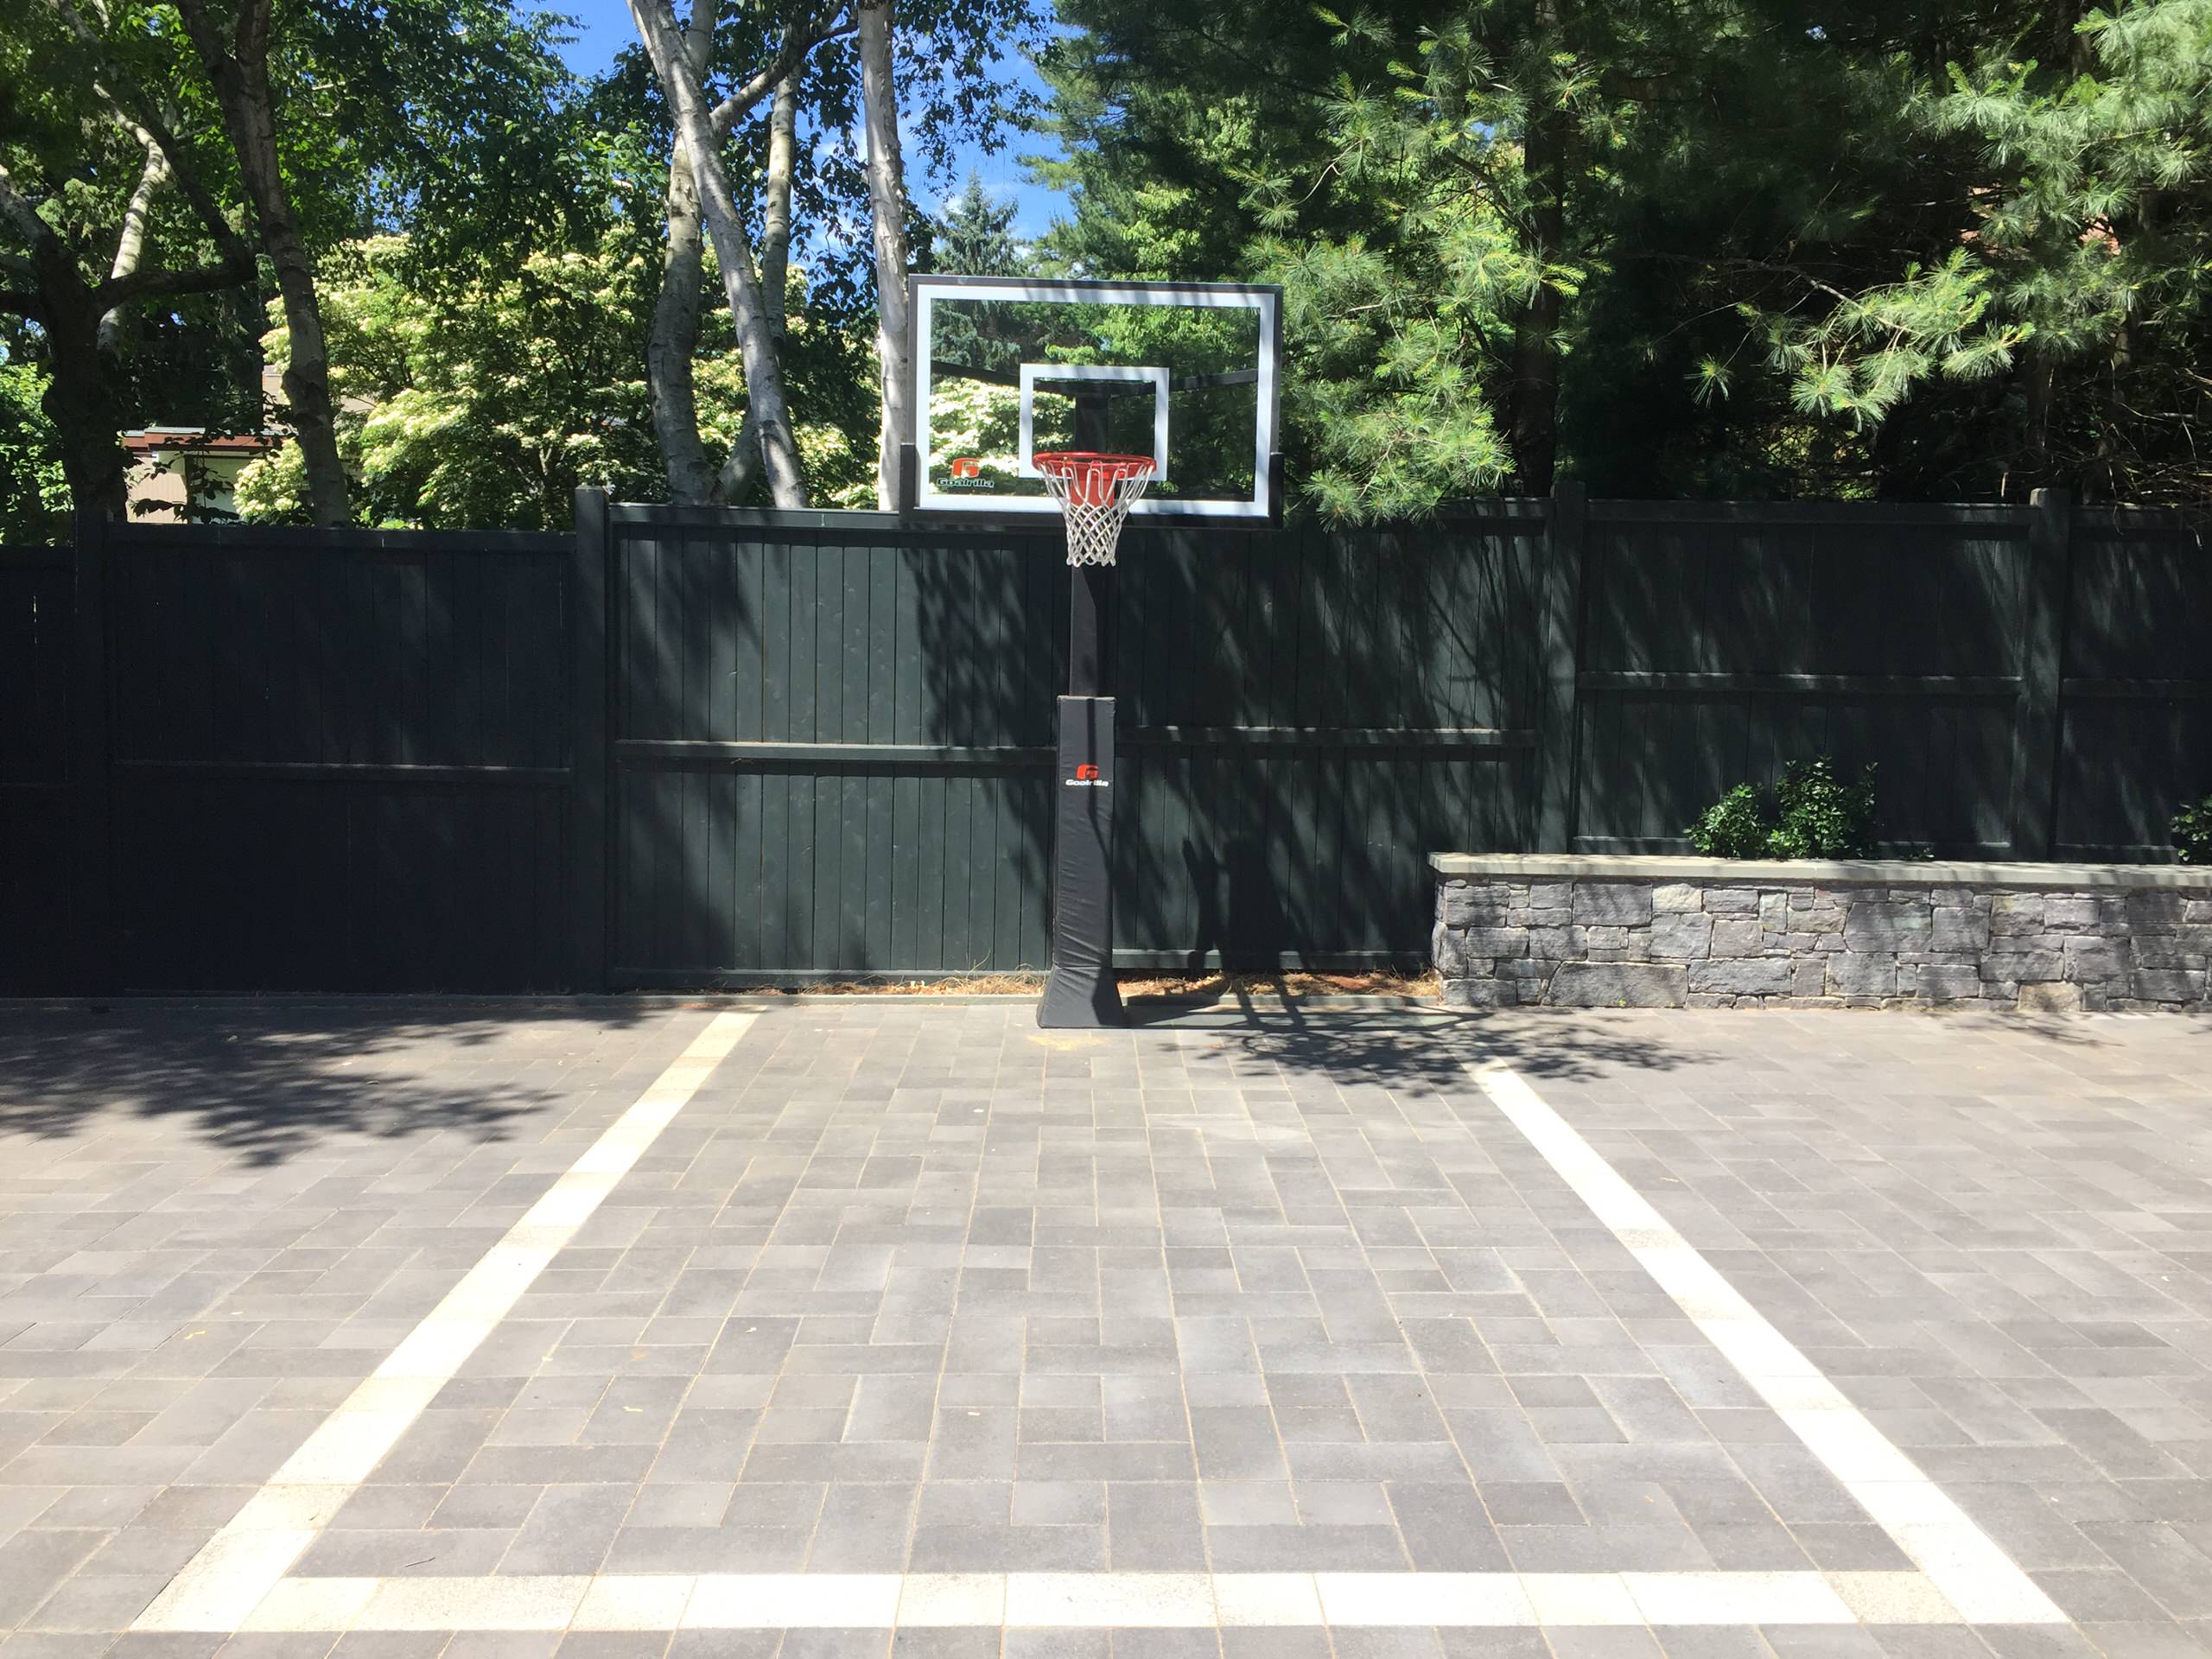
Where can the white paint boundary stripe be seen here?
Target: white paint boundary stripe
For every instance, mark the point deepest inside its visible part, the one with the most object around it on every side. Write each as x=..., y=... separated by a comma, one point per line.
x=650, y=1602
x=219, y=1587
x=1961, y=1560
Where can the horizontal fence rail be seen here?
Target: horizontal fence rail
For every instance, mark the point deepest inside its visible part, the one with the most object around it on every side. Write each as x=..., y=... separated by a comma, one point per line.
x=690, y=747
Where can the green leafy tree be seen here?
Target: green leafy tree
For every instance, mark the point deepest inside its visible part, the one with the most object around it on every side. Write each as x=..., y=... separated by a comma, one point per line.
x=34, y=492
x=477, y=405
x=124, y=215
x=112, y=208
x=1420, y=181
x=795, y=155
x=488, y=404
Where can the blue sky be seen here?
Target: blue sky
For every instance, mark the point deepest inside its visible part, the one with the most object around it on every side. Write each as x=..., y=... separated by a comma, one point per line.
x=604, y=28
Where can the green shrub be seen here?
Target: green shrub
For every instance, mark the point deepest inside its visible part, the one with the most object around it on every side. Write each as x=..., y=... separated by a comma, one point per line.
x=1820, y=815
x=2193, y=833
x=1812, y=813
x=1735, y=826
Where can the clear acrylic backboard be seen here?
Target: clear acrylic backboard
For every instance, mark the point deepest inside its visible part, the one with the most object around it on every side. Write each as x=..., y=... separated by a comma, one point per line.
x=1005, y=368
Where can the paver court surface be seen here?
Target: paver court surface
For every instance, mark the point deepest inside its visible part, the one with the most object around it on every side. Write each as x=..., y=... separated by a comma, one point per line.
x=885, y=1327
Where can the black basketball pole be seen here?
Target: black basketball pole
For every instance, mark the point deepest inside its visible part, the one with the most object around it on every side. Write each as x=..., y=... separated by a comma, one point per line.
x=1080, y=992
x=1091, y=586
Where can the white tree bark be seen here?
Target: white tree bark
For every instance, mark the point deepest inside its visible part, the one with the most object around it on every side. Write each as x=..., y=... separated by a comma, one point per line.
x=776, y=206
x=886, y=197
x=744, y=463
x=131, y=245
x=675, y=337
x=764, y=380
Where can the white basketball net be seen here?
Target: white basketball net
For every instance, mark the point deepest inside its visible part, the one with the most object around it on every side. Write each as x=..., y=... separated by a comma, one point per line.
x=1096, y=493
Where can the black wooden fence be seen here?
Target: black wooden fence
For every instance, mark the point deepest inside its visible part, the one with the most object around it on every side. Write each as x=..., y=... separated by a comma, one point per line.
x=686, y=748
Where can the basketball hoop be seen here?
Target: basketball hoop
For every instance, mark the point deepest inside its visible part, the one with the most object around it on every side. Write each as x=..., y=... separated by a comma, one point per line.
x=1096, y=493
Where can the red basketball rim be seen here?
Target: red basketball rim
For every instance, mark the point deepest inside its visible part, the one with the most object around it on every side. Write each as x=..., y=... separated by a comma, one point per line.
x=1091, y=474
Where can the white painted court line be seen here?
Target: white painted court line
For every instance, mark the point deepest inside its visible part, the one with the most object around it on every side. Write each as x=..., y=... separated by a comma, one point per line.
x=774, y=1601
x=222, y=1586
x=1957, y=1557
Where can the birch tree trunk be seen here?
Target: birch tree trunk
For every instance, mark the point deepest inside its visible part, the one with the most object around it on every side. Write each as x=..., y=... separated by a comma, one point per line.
x=675, y=339
x=764, y=381
x=886, y=199
x=776, y=207
x=131, y=245
x=240, y=74
x=744, y=463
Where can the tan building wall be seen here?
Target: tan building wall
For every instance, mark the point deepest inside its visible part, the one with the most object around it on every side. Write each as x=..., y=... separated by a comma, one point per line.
x=184, y=481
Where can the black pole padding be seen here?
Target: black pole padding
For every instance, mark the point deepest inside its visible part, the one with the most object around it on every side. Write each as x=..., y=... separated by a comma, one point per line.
x=1080, y=992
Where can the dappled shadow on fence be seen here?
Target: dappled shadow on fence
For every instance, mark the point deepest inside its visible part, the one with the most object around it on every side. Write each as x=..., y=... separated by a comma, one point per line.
x=1247, y=832
x=1720, y=643
x=272, y=1083
x=688, y=661
x=875, y=799
x=354, y=761
x=2140, y=747
x=1260, y=823
x=990, y=618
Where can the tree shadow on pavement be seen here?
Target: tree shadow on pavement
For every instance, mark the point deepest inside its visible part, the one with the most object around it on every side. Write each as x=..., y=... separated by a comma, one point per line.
x=1430, y=1047
x=2068, y=1030
x=267, y=1081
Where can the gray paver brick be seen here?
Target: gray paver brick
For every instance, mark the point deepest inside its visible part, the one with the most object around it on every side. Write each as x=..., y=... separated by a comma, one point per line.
x=904, y=1287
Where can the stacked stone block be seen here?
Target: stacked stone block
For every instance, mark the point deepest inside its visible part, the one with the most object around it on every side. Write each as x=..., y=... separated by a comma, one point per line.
x=1608, y=942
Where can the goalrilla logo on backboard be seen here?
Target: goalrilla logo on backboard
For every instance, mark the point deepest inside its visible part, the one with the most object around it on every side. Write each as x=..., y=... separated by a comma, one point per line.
x=1086, y=776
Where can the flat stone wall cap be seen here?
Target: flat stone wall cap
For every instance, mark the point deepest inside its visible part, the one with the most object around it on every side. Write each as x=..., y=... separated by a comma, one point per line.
x=1751, y=872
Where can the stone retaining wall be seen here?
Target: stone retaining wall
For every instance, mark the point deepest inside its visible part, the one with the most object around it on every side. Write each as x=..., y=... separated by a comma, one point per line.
x=1578, y=931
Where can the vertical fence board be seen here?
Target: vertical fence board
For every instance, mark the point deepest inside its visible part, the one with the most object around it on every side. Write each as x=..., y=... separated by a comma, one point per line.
x=2043, y=629
x=91, y=722
x=1559, y=625
x=588, y=817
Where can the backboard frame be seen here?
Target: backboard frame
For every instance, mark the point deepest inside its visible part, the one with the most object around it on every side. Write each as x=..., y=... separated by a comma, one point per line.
x=1265, y=505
